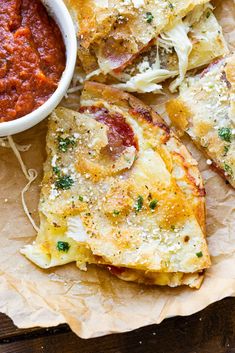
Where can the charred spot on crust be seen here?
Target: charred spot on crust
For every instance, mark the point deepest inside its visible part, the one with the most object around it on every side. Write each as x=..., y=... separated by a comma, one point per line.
x=164, y=127
x=224, y=78
x=117, y=271
x=202, y=192
x=217, y=169
x=98, y=259
x=143, y=112
x=186, y=238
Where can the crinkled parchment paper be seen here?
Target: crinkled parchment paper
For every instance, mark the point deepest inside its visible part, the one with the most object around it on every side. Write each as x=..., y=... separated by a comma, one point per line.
x=94, y=302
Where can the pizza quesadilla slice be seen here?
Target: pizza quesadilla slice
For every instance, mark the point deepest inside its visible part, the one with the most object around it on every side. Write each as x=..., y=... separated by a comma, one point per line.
x=121, y=191
x=205, y=109
x=137, y=45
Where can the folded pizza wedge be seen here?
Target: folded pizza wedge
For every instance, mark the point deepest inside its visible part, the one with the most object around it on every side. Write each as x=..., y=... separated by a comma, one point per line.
x=135, y=45
x=121, y=191
x=205, y=109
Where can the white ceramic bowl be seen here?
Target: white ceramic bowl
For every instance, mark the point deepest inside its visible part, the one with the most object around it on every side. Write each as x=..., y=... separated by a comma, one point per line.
x=58, y=10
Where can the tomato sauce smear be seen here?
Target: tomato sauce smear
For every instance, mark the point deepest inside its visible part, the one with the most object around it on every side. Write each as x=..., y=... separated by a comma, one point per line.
x=120, y=133
x=32, y=57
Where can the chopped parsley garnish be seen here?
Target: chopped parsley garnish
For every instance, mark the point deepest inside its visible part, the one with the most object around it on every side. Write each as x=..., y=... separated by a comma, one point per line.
x=228, y=169
x=153, y=204
x=65, y=182
x=172, y=227
x=226, y=149
x=149, y=17
x=199, y=254
x=80, y=198
x=171, y=6
x=65, y=143
x=139, y=204
x=56, y=170
x=208, y=14
x=225, y=133
x=63, y=246
x=116, y=213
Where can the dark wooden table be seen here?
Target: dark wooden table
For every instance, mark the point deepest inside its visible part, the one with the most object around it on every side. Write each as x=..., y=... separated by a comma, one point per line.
x=209, y=331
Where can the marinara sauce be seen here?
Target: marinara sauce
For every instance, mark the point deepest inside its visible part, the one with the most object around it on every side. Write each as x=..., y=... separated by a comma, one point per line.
x=32, y=57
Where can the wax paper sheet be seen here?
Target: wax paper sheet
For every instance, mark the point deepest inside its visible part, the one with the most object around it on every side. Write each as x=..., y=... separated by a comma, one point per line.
x=95, y=303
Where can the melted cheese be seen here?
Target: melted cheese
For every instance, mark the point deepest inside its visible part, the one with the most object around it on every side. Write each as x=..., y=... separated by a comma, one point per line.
x=114, y=37
x=206, y=102
x=133, y=214
x=185, y=47
x=178, y=36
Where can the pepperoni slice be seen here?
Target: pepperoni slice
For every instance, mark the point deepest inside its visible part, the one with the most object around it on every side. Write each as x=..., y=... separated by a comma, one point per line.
x=120, y=133
x=126, y=61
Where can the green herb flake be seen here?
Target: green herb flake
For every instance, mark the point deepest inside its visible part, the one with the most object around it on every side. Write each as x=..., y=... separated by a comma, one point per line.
x=228, y=169
x=153, y=204
x=139, y=204
x=65, y=182
x=171, y=6
x=225, y=133
x=63, y=246
x=226, y=149
x=80, y=198
x=208, y=14
x=199, y=254
x=56, y=170
x=65, y=143
x=149, y=17
x=172, y=227
x=116, y=213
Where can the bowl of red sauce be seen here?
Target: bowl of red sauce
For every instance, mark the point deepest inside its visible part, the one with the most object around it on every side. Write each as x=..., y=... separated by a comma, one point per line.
x=38, y=50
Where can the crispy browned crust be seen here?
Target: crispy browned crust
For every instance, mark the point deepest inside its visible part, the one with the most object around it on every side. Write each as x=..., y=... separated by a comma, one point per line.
x=142, y=112
x=180, y=116
x=193, y=280
x=180, y=113
x=122, y=99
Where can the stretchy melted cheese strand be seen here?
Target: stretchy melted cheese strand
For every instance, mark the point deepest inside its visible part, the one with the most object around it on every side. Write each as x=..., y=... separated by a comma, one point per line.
x=120, y=43
x=30, y=174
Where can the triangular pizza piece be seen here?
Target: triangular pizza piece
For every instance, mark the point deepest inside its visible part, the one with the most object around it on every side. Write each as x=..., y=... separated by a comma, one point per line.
x=205, y=109
x=120, y=190
x=138, y=44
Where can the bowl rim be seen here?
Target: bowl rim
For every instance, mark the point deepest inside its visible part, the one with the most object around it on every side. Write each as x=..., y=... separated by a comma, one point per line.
x=55, y=8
